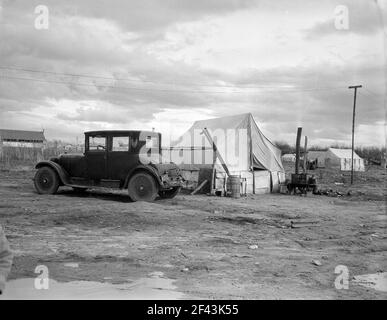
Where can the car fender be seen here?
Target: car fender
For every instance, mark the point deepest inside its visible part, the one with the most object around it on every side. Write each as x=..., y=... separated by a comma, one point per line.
x=152, y=171
x=62, y=173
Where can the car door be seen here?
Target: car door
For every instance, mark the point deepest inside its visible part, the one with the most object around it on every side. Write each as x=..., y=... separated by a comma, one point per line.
x=96, y=156
x=120, y=156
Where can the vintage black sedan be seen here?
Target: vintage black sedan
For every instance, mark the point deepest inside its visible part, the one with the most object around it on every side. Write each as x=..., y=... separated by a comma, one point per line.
x=113, y=159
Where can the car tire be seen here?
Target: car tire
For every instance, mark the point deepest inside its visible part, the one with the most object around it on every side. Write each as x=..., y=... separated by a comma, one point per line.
x=142, y=187
x=46, y=181
x=169, y=194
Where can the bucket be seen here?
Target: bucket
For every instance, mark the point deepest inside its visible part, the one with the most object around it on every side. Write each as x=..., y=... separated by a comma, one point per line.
x=235, y=186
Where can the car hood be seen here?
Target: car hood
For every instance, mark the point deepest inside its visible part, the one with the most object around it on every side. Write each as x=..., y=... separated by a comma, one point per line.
x=71, y=156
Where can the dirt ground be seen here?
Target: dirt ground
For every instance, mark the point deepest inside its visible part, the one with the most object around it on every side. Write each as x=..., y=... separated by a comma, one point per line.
x=258, y=247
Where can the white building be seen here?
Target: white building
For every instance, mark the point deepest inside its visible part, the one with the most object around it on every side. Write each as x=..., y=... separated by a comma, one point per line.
x=337, y=158
x=289, y=157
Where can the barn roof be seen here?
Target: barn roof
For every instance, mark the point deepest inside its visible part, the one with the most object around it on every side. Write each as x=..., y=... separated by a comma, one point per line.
x=22, y=135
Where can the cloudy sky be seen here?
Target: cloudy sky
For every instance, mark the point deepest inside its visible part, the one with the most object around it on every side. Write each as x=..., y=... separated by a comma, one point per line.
x=140, y=64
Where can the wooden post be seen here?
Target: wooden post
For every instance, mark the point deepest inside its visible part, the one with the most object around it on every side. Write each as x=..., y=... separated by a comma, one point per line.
x=251, y=152
x=298, y=141
x=217, y=154
x=213, y=174
x=305, y=154
x=353, y=125
x=199, y=187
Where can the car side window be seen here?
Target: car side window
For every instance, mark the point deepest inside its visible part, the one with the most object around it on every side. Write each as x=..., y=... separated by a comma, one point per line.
x=120, y=144
x=97, y=143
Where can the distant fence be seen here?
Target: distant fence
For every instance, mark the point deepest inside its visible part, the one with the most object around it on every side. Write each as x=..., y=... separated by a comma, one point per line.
x=22, y=156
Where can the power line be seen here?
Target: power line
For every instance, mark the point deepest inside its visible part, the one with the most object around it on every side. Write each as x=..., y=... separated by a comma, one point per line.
x=165, y=83
x=152, y=89
x=373, y=93
x=137, y=80
x=373, y=97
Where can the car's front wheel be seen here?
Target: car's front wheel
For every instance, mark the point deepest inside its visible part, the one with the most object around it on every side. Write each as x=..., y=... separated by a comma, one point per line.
x=142, y=187
x=46, y=181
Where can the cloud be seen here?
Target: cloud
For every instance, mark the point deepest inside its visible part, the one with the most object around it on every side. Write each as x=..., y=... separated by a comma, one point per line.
x=364, y=18
x=134, y=16
x=165, y=64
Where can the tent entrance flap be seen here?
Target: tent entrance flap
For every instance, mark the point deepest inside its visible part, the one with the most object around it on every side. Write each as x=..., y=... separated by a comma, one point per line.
x=257, y=165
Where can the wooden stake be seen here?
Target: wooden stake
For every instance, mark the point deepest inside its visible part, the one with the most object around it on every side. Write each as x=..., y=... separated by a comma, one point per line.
x=199, y=187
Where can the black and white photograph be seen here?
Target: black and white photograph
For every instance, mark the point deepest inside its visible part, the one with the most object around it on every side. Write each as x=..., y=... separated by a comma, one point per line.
x=193, y=150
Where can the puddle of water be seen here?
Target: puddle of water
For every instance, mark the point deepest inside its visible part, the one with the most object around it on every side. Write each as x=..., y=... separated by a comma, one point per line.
x=377, y=281
x=153, y=288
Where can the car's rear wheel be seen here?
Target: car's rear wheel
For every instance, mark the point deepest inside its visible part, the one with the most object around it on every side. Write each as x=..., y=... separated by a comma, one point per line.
x=46, y=181
x=142, y=187
x=169, y=194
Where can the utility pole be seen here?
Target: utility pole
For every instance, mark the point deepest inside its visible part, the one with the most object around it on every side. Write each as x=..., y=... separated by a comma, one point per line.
x=353, y=125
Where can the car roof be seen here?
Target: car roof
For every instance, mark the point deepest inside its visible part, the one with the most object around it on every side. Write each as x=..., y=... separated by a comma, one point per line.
x=114, y=132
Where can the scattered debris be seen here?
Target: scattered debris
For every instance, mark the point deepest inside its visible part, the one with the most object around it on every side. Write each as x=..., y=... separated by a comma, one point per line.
x=241, y=256
x=317, y=262
x=156, y=274
x=330, y=193
x=304, y=223
x=377, y=281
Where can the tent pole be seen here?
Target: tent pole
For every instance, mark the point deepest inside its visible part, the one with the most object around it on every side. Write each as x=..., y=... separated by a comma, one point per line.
x=213, y=182
x=251, y=153
x=216, y=155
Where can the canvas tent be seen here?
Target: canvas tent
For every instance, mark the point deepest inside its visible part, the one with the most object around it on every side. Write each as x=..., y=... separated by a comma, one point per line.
x=337, y=158
x=289, y=157
x=242, y=145
x=319, y=155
